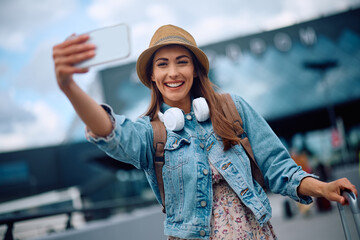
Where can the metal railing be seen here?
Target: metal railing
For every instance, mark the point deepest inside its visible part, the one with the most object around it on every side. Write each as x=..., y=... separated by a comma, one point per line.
x=123, y=205
x=352, y=200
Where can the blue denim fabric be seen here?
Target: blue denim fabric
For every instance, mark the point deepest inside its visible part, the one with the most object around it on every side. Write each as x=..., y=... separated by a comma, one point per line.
x=188, y=188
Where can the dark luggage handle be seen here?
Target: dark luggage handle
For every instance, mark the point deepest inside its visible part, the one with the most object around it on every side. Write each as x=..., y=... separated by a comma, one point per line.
x=351, y=199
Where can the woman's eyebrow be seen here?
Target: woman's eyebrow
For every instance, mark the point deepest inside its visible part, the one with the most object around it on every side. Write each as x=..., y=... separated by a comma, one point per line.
x=165, y=59
x=181, y=56
x=161, y=59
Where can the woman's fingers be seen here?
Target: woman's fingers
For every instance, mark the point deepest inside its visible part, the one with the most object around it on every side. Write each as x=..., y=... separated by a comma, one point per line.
x=66, y=54
x=73, y=58
x=335, y=188
x=73, y=39
x=73, y=50
x=345, y=184
x=77, y=48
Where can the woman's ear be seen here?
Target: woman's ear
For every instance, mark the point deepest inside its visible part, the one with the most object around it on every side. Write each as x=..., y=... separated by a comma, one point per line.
x=152, y=77
x=195, y=74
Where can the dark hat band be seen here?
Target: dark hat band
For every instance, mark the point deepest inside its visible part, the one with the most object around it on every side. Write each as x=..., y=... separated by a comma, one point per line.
x=169, y=38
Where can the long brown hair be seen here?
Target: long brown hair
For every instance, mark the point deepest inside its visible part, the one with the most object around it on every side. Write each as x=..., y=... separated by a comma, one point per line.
x=202, y=87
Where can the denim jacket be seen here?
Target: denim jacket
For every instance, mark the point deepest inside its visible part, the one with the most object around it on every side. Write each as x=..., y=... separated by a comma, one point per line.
x=187, y=172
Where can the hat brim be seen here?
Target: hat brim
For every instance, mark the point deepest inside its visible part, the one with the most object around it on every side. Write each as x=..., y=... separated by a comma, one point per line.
x=146, y=55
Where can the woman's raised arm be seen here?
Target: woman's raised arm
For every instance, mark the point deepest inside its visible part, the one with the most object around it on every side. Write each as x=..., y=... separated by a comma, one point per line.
x=65, y=55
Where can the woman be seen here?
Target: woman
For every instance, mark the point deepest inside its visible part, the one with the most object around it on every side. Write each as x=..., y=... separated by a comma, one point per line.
x=209, y=190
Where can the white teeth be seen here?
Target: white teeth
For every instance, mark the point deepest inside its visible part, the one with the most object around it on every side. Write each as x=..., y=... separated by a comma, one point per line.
x=173, y=85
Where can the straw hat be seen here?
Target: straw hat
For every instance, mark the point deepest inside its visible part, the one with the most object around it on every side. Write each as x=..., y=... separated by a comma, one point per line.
x=165, y=35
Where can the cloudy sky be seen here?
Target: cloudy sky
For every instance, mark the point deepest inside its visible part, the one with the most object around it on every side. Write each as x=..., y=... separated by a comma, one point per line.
x=33, y=112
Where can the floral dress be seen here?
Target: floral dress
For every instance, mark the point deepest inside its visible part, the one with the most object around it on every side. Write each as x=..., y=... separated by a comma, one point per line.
x=231, y=219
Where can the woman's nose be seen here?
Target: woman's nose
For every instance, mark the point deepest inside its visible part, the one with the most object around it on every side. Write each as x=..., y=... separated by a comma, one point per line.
x=173, y=72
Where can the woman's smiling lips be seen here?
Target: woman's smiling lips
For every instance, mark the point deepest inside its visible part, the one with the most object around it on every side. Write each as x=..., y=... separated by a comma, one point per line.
x=174, y=84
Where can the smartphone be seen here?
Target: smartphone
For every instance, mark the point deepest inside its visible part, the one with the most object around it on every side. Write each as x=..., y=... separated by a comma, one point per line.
x=112, y=43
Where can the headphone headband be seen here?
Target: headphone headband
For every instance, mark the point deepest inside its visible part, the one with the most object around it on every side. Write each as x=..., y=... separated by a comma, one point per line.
x=173, y=118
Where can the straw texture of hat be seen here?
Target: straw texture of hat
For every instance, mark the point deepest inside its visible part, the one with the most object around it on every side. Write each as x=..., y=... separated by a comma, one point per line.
x=166, y=35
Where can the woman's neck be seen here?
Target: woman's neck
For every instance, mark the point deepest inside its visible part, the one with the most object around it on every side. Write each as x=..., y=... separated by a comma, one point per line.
x=184, y=104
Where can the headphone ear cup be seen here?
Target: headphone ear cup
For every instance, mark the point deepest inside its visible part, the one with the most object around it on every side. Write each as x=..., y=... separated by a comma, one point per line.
x=174, y=119
x=201, y=109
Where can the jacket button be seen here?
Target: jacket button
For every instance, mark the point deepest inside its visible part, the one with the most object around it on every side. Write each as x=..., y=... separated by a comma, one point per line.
x=202, y=233
x=205, y=172
x=202, y=145
x=203, y=203
x=188, y=117
x=225, y=166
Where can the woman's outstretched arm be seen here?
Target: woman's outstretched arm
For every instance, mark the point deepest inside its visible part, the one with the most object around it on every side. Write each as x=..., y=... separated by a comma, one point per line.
x=65, y=55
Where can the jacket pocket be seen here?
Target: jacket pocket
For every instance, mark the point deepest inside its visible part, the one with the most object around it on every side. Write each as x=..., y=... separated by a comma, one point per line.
x=175, y=150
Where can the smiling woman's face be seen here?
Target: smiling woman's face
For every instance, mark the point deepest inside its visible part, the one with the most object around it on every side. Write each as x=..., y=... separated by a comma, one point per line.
x=173, y=73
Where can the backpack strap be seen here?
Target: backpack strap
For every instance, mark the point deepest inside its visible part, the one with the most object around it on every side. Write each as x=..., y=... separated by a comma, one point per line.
x=233, y=116
x=159, y=160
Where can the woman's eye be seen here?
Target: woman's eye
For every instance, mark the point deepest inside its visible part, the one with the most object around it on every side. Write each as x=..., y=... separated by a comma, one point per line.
x=161, y=64
x=183, y=62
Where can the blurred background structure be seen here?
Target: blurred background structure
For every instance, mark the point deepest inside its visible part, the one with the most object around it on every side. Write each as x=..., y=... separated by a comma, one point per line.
x=304, y=79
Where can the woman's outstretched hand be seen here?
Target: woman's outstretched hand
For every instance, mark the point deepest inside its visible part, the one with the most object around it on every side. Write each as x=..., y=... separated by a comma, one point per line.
x=73, y=50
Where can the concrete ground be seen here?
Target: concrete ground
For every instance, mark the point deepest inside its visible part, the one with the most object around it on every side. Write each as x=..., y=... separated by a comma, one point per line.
x=316, y=225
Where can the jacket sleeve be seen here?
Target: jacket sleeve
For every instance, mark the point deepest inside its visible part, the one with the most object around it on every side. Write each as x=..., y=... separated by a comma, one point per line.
x=130, y=141
x=282, y=175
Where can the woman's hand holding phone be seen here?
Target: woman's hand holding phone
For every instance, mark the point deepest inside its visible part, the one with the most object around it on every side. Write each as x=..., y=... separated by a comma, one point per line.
x=68, y=53
x=75, y=55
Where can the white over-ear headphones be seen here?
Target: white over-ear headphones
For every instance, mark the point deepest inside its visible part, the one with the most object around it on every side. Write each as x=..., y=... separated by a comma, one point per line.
x=173, y=118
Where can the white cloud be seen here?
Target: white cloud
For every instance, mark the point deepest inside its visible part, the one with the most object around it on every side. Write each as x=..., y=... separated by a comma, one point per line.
x=12, y=113
x=161, y=14
x=38, y=74
x=14, y=41
x=309, y=9
x=48, y=121
x=282, y=19
x=107, y=12
x=45, y=128
x=4, y=67
x=216, y=28
x=21, y=19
